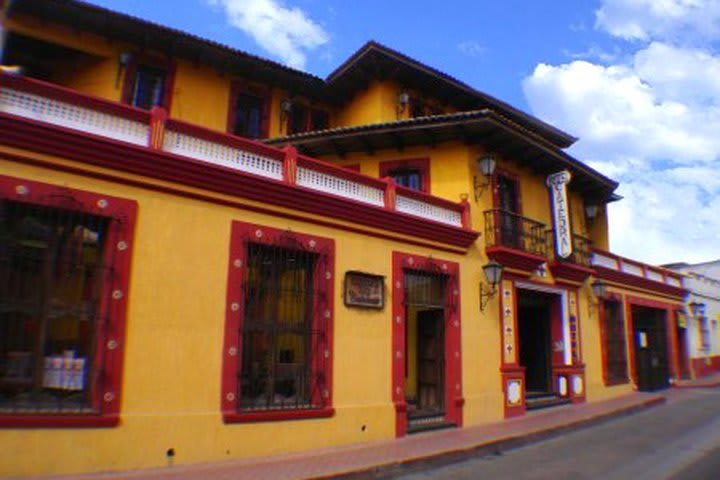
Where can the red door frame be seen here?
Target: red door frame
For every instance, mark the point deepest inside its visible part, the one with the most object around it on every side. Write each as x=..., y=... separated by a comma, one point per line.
x=670, y=332
x=453, y=353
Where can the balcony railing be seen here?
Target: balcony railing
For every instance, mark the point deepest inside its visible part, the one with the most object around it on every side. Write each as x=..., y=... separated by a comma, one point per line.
x=581, y=249
x=508, y=229
x=54, y=105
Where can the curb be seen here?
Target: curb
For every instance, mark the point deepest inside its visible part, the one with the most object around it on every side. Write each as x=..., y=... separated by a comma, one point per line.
x=713, y=384
x=488, y=448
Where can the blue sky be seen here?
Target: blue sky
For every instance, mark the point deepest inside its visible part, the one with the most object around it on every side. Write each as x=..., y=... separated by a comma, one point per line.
x=638, y=81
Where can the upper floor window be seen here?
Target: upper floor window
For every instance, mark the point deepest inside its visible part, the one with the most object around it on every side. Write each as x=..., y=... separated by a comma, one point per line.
x=64, y=260
x=411, y=173
x=147, y=84
x=302, y=118
x=149, y=87
x=280, y=317
x=249, y=113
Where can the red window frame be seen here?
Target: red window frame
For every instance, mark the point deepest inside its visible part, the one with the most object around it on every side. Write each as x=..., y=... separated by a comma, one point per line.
x=113, y=306
x=420, y=164
x=263, y=93
x=241, y=234
x=131, y=72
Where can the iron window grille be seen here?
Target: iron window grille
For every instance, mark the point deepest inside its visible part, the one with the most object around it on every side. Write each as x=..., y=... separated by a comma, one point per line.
x=283, y=334
x=615, y=344
x=55, y=267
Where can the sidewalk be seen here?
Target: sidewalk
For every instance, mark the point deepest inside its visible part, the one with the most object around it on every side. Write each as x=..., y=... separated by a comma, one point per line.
x=440, y=447
x=703, y=382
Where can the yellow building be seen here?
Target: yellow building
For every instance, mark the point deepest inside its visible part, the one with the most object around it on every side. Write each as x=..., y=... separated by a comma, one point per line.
x=206, y=255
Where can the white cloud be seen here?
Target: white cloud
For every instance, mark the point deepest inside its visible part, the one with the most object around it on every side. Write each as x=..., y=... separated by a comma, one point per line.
x=283, y=31
x=652, y=123
x=471, y=48
x=660, y=19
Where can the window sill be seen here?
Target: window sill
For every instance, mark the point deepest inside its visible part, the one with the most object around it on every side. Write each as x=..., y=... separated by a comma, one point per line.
x=58, y=421
x=276, y=415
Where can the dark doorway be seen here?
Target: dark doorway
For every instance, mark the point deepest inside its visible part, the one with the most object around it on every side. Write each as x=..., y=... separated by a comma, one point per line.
x=425, y=349
x=430, y=363
x=535, y=340
x=651, y=348
x=683, y=360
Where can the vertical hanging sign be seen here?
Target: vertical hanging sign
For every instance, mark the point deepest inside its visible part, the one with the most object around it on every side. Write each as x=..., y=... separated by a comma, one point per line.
x=557, y=182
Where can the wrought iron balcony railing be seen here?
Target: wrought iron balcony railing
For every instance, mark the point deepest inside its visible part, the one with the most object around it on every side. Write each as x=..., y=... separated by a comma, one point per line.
x=507, y=229
x=581, y=249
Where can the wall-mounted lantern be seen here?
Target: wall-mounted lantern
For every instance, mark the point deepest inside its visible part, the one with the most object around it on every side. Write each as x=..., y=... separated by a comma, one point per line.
x=493, y=273
x=403, y=100
x=486, y=166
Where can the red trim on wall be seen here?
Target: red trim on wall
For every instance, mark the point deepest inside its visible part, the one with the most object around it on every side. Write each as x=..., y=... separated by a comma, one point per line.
x=453, y=326
x=421, y=164
x=234, y=313
x=39, y=137
x=515, y=259
x=123, y=212
x=217, y=201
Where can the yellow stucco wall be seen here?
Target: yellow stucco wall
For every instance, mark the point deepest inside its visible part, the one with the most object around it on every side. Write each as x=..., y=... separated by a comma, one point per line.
x=175, y=332
x=375, y=104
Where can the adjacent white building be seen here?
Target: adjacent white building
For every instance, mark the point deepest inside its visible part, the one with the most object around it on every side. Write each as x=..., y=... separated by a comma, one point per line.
x=702, y=316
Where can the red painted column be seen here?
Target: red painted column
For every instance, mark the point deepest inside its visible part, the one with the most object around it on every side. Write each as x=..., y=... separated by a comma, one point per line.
x=290, y=165
x=389, y=193
x=158, y=117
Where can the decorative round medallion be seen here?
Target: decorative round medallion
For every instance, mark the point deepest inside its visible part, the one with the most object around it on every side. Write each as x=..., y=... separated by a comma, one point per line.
x=22, y=190
x=312, y=243
x=117, y=294
x=230, y=397
x=411, y=260
x=102, y=203
x=398, y=319
x=327, y=313
x=112, y=344
x=398, y=285
x=328, y=275
x=326, y=353
x=232, y=351
x=122, y=245
x=325, y=393
x=258, y=233
x=108, y=397
x=234, y=306
x=237, y=263
x=398, y=354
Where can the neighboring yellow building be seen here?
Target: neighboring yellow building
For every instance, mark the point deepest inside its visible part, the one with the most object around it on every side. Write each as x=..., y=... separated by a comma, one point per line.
x=206, y=255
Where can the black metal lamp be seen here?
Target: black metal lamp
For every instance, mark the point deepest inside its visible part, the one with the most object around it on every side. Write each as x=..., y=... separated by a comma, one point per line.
x=493, y=273
x=486, y=166
x=591, y=212
x=599, y=289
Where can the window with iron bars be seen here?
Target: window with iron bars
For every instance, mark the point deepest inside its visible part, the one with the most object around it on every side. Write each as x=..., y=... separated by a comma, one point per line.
x=283, y=324
x=57, y=275
x=615, y=345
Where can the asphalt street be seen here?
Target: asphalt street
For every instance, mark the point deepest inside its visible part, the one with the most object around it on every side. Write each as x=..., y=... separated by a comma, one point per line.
x=679, y=440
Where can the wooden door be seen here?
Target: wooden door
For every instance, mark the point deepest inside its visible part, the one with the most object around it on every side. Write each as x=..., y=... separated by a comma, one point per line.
x=430, y=362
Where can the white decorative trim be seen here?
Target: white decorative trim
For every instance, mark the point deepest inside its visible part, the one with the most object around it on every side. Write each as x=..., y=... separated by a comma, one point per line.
x=632, y=269
x=577, y=384
x=604, y=261
x=673, y=281
x=223, y=155
x=653, y=275
x=342, y=187
x=422, y=209
x=562, y=385
x=75, y=117
x=565, y=312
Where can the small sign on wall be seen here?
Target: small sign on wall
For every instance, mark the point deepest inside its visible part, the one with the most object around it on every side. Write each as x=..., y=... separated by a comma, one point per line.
x=364, y=290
